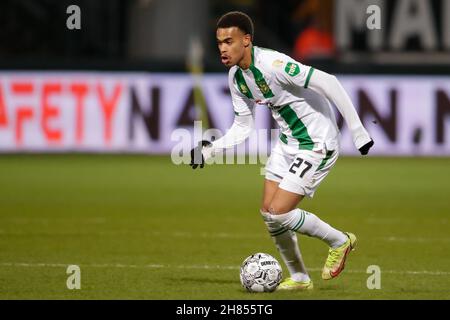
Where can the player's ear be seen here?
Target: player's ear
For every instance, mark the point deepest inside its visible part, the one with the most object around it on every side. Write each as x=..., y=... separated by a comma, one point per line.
x=247, y=40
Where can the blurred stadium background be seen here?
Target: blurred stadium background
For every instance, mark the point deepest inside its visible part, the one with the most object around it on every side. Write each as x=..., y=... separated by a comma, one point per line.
x=87, y=118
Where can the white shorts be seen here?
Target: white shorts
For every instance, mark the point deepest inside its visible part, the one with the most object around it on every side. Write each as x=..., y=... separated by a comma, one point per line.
x=299, y=171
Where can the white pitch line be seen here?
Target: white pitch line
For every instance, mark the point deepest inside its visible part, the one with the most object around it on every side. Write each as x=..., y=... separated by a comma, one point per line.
x=198, y=267
x=206, y=235
x=185, y=235
x=413, y=239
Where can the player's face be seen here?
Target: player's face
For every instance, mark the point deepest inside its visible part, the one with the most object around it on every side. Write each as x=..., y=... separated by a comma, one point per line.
x=232, y=43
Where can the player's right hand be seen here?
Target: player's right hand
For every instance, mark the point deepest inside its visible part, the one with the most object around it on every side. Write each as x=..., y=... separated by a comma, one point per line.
x=197, y=158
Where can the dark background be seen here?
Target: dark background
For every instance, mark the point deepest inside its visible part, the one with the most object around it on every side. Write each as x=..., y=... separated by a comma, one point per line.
x=153, y=35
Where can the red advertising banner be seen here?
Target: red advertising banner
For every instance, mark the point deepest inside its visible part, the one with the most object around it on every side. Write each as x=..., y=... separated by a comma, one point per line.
x=144, y=112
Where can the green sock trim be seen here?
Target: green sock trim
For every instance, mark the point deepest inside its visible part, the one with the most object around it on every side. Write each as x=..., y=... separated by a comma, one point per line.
x=280, y=232
x=300, y=223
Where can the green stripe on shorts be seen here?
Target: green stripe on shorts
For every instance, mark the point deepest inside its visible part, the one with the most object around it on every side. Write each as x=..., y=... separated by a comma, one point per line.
x=325, y=160
x=283, y=138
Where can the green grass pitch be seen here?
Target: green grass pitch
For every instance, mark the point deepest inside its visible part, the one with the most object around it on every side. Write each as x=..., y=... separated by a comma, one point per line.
x=142, y=228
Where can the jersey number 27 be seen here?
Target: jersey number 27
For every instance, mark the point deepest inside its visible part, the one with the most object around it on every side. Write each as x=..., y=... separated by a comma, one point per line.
x=296, y=166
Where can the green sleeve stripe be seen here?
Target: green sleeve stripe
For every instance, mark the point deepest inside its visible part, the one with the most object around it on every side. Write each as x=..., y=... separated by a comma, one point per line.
x=236, y=113
x=311, y=70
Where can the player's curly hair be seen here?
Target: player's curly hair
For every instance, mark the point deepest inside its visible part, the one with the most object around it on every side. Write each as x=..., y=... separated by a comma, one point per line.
x=237, y=19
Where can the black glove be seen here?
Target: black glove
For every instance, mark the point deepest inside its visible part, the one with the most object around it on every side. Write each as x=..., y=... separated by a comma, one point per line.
x=365, y=148
x=197, y=155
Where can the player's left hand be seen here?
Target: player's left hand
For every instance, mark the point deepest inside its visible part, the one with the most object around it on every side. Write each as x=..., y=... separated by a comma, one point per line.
x=197, y=158
x=365, y=148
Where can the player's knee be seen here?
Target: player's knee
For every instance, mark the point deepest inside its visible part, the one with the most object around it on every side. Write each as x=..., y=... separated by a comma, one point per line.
x=265, y=207
x=278, y=208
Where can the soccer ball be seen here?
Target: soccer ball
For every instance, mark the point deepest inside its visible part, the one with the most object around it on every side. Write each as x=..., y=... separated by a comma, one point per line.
x=260, y=273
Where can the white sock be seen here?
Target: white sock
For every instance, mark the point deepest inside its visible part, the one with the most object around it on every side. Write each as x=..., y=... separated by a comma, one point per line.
x=308, y=223
x=286, y=243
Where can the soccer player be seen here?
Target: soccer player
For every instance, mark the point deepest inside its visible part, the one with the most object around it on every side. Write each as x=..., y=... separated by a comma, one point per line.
x=299, y=99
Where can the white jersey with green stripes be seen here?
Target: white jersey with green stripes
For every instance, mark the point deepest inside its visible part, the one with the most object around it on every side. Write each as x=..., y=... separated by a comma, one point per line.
x=277, y=81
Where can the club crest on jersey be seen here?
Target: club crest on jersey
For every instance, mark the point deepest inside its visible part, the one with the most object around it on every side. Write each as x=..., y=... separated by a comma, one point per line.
x=244, y=88
x=292, y=69
x=277, y=63
x=262, y=85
